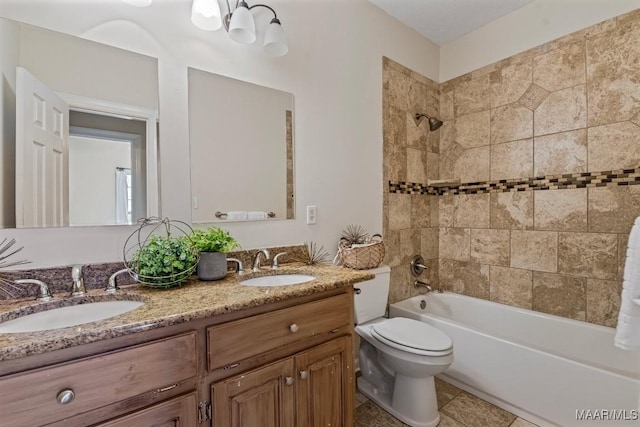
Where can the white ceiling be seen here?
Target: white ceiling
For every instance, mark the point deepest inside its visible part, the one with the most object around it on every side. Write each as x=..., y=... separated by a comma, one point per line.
x=442, y=21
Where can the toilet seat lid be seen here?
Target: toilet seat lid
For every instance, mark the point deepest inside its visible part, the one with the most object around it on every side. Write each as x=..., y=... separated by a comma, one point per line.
x=413, y=336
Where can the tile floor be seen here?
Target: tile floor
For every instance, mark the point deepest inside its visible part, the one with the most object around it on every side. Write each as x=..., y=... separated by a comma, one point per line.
x=457, y=409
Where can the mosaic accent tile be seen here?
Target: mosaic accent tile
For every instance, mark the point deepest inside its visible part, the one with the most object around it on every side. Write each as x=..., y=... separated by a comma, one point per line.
x=603, y=181
x=533, y=97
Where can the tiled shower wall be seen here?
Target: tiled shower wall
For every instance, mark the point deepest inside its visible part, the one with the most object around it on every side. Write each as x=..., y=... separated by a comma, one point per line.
x=549, y=143
x=410, y=221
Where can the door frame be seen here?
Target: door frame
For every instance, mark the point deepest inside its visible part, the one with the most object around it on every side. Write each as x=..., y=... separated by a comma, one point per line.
x=148, y=115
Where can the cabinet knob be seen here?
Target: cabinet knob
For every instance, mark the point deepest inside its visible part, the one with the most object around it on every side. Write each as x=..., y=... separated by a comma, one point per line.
x=65, y=396
x=288, y=380
x=293, y=328
x=304, y=375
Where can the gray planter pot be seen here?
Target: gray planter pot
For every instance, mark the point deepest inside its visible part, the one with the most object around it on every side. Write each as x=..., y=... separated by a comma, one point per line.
x=212, y=266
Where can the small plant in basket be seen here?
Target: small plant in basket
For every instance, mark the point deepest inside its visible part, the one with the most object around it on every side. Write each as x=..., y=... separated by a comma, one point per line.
x=165, y=261
x=358, y=250
x=160, y=253
x=213, y=244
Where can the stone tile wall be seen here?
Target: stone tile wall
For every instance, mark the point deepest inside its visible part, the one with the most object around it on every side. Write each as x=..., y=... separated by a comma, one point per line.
x=520, y=230
x=410, y=221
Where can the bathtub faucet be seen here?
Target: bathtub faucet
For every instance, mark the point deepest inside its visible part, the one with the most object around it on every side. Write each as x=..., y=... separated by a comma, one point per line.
x=420, y=284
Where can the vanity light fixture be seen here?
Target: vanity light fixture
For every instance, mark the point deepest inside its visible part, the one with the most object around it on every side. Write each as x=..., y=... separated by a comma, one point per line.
x=434, y=124
x=139, y=3
x=205, y=14
x=240, y=25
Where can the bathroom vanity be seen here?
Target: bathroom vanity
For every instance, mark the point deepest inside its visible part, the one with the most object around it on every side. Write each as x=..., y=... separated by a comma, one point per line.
x=217, y=354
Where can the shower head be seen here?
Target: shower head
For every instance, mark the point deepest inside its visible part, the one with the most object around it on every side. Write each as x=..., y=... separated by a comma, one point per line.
x=434, y=124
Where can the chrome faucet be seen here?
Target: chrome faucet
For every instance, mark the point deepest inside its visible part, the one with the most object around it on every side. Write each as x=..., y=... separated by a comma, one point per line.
x=45, y=294
x=274, y=262
x=78, y=281
x=112, y=287
x=240, y=267
x=420, y=284
x=256, y=260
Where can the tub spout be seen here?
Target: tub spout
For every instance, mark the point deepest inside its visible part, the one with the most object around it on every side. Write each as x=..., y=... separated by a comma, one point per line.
x=420, y=284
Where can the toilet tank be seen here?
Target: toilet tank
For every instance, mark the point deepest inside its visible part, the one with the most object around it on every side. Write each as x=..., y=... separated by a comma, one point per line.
x=371, y=302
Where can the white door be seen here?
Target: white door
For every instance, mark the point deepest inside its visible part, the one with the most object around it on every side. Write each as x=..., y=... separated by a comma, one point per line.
x=42, y=154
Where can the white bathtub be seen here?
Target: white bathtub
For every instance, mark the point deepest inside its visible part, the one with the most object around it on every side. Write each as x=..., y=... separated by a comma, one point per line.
x=541, y=367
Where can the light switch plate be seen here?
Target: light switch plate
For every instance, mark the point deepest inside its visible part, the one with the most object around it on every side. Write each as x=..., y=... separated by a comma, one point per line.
x=312, y=215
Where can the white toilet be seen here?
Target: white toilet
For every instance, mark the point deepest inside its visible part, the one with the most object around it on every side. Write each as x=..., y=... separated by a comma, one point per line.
x=398, y=356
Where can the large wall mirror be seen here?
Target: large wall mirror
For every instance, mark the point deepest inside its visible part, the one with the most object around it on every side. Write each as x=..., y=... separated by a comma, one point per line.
x=241, y=147
x=79, y=131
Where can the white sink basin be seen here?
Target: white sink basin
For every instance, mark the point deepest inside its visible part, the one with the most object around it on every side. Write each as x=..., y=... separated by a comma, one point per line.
x=278, y=280
x=64, y=317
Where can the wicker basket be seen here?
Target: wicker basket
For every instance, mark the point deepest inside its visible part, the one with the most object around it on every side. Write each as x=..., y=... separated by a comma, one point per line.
x=362, y=257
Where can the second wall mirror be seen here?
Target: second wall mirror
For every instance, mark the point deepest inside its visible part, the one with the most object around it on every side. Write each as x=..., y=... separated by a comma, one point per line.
x=241, y=143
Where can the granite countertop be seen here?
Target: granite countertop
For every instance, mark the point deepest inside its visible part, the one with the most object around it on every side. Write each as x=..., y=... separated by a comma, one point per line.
x=195, y=300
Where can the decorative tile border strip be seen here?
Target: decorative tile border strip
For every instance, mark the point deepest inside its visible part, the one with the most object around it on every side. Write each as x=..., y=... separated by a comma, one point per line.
x=619, y=177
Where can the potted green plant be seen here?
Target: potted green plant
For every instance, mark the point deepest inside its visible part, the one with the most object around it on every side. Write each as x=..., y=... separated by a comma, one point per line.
x=165, y=261
x=213, y=244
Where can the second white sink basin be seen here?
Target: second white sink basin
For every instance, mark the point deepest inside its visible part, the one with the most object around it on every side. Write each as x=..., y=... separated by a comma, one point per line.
x=64, y=317
x=278, y=280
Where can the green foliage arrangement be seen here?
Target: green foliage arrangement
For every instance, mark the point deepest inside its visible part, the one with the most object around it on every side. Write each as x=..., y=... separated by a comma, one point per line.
x=213, y=239
x=165, y=261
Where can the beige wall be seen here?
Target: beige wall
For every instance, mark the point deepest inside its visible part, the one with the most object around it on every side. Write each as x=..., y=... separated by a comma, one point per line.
x=333, y=69
x=546, y=144
x=535, y=24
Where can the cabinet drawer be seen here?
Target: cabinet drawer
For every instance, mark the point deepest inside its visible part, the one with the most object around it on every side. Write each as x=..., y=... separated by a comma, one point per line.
x=241, y=339
x=30, y=399
x=181, y=411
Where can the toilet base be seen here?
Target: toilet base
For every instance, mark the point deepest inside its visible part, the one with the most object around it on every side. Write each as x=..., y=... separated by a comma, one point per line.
x=384, y=400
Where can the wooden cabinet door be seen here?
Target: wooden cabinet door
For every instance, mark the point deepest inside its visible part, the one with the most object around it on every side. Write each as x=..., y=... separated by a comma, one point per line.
x=325, y=385
x=263, y=397
x=178, y=412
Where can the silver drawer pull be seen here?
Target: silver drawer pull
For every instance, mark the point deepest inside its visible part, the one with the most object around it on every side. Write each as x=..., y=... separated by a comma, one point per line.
x=288, y=380
x=293, y=328
x=65, y=396
x=304, y=375
x=167, y=388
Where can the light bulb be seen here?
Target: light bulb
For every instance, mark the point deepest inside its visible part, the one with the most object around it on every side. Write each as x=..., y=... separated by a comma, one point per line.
x=242, y=28
x=205, y=14
x=275, y=40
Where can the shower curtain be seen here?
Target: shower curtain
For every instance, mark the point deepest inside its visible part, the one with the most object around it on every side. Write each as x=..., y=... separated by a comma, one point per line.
x=122, y=199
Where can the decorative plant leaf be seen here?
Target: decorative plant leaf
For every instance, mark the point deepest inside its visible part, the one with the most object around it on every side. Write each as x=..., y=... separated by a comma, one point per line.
x=312, y=254
x=5, y=246
x=354, y=235
x=213, y=239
